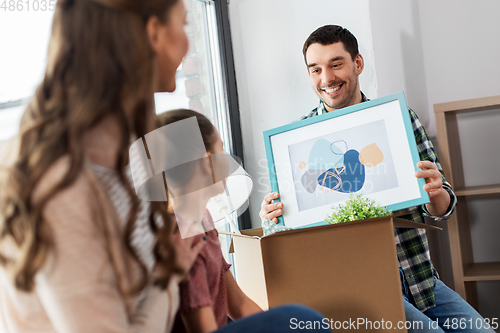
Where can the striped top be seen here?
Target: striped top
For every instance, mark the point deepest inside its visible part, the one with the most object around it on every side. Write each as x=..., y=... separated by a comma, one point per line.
x=142, y=237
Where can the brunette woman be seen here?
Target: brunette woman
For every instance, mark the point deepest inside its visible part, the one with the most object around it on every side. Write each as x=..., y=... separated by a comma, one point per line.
x=67, y=208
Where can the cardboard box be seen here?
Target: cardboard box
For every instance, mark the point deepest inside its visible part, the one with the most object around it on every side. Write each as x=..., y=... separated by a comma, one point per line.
x=348, y=271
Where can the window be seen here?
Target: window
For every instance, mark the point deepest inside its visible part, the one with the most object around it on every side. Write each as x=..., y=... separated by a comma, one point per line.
x=202, y=80
x=22, y=63
x=199, y=79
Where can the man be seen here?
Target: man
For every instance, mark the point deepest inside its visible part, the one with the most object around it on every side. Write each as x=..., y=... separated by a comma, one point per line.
x=334, y=64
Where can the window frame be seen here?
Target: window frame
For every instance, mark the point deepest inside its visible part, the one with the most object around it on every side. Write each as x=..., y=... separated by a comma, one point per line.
x=230, y=85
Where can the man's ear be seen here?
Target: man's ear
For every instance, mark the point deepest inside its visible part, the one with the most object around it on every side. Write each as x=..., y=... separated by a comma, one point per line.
x=153, y=31
x=360, y=63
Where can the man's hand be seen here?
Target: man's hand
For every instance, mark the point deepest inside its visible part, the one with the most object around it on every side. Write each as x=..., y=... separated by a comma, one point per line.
x=433, y=181
x=270, y=210
x=439, y=197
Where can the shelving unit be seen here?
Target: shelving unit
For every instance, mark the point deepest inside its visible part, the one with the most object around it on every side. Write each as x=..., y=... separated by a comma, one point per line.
x=466, y=272
x=477, y=190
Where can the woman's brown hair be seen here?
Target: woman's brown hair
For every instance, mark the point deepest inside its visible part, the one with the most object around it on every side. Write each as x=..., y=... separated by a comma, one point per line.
x=98, y=54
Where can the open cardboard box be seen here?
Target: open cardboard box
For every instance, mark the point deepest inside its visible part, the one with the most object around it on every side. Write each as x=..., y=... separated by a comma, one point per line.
x=347, y=271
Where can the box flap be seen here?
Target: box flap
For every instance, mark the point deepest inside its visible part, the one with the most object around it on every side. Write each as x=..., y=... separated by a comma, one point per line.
x=250, y=270
x=400, y=223
x=255, y=232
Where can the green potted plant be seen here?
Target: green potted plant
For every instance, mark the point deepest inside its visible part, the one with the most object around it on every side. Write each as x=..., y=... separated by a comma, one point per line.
x=357, y=207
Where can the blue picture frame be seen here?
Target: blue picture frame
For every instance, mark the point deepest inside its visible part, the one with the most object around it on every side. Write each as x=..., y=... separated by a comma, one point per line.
x=308, y=125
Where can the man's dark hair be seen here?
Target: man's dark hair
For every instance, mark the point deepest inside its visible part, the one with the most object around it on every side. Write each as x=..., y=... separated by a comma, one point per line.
x=330, y=34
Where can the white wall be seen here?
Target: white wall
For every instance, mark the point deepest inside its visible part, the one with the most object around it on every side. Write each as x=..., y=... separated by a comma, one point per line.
x=461, y=49
x=273, y=85
x=399, y=56
x=436, y=51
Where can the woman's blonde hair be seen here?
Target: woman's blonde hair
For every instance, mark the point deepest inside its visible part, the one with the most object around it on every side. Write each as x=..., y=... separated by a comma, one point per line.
x=98, y=54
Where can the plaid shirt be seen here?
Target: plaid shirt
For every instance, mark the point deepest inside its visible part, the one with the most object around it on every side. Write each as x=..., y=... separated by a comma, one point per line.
x=412, y=246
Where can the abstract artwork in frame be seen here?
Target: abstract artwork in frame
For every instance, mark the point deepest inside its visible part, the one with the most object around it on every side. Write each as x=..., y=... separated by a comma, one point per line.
x=368, y=148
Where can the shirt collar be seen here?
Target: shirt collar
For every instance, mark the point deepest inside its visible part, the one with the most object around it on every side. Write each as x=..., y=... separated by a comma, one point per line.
x=321, y=106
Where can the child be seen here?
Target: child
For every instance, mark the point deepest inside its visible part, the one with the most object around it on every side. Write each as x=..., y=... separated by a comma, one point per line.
x=210, y=294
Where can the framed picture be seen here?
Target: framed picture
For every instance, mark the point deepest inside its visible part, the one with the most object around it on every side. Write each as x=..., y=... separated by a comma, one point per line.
x=368, y=148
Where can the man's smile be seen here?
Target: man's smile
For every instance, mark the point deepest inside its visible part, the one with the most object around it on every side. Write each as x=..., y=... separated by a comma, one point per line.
x=332, y=91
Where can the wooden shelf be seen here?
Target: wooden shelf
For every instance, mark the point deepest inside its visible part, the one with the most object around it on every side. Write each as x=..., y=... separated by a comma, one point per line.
x=477, y=190
x=483, y=272
x=466, y=272
x=468, y=105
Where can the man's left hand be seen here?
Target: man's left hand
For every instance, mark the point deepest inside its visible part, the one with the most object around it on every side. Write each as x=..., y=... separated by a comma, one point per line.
x=433, y=181
x=439, y=197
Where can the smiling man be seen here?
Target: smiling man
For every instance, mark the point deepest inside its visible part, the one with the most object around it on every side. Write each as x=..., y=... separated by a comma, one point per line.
x=334, y=64
x=333, y=71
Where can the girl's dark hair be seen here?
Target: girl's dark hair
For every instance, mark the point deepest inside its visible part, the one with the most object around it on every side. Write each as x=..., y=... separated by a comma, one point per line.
x=330, y=34
x=208, y=135
x=206, y=128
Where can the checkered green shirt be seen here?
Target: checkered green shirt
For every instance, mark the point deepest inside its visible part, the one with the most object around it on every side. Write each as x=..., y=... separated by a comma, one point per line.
x=412, y=246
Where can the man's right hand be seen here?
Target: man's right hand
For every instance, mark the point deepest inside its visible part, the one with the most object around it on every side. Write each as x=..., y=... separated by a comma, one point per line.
x=270, y=210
